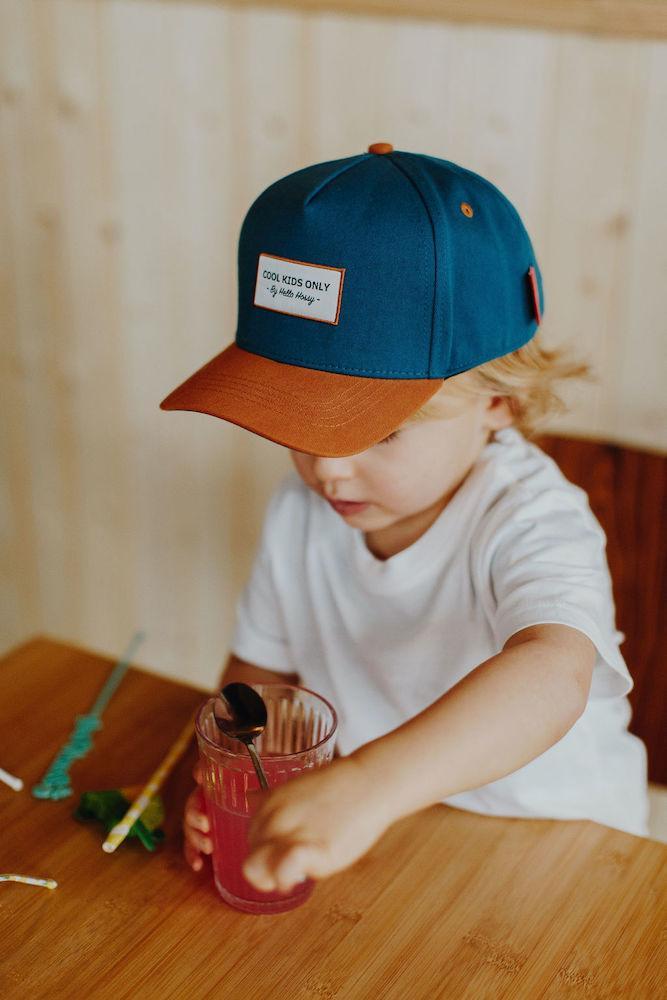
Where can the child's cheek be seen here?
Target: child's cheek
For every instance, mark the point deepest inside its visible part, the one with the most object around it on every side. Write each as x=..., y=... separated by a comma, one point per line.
x=397, y=484
x=303, y=467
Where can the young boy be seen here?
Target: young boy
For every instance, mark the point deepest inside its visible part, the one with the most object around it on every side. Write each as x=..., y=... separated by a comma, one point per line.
x=425, y=567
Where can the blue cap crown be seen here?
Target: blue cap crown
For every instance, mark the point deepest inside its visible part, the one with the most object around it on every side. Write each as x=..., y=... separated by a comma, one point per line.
x=393, y=266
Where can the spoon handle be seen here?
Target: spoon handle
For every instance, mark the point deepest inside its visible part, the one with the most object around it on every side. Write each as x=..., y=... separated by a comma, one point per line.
x=258, y=764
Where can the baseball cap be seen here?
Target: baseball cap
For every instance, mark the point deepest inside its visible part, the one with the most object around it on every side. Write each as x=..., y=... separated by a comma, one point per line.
x=364, y=283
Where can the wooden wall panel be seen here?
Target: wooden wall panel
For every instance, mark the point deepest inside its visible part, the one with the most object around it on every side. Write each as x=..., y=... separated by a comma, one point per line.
x=627, y=18
x=134, y=136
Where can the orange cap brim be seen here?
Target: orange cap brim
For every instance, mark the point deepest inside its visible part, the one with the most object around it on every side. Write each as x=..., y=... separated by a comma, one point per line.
x=320, y=413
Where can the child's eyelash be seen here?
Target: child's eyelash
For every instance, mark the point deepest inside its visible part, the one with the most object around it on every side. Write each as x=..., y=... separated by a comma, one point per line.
x=390, y=437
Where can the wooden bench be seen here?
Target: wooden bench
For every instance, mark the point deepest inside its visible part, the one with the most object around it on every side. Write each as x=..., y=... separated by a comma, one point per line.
x=627, y=490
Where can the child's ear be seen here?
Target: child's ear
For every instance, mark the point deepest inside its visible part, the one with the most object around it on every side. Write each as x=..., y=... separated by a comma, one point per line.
x=498, y=413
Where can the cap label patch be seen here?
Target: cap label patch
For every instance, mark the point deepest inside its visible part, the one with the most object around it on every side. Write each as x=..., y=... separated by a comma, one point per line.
x=313, y=291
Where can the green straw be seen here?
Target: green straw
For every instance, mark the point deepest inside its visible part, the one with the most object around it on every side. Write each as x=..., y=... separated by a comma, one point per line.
x=55, y=783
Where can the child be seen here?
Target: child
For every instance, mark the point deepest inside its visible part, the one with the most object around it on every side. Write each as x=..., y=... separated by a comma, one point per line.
x=425, y=567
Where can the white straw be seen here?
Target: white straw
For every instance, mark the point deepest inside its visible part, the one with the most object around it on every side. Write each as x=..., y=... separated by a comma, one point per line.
x=11, y=780
x=48, y=883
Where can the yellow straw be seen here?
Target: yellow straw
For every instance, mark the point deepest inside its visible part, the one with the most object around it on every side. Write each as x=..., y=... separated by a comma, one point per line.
x=123, y=827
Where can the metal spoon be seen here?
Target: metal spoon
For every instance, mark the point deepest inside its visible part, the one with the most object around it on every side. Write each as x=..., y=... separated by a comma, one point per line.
x=240, y=712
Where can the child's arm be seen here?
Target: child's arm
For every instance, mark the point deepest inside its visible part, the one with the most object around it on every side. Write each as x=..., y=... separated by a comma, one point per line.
x=506, y=712
x=502, y=715
x=237, y=671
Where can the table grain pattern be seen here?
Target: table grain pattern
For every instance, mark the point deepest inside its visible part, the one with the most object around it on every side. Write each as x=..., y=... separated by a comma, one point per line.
x=448, y=904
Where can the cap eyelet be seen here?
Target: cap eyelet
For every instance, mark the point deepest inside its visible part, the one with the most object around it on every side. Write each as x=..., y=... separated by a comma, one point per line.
x=467, y=209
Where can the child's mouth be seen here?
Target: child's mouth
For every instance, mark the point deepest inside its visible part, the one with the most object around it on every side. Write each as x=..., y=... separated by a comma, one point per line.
x=347, y=506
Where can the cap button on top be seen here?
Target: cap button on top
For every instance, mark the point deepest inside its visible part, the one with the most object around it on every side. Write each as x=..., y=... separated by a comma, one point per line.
x=380, y=147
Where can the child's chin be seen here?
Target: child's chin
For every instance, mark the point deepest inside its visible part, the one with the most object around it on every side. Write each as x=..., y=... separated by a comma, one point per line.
x=369, y=520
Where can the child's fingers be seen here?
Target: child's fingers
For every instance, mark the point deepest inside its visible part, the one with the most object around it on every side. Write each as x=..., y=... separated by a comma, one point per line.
x=195, y=842
x=195, y=825
x=258, y=870
x=197, y=821
x=195, y=828
x=202, y=843
x=199, y=840
x=273, y=868
x=196, y=818
x=193, y=857
x=291, y=869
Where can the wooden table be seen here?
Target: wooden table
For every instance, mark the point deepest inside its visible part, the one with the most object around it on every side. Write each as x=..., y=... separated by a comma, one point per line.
x=449, y=904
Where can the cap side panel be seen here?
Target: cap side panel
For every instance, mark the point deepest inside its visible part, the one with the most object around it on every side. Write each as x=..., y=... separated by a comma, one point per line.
x=491, y=255
x=345, y=165
x=317, y=174
x=396, y=161
x=443, y=330
x=509, y=206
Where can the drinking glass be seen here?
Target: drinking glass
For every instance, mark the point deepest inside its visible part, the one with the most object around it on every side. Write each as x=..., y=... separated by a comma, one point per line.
x=299, y=735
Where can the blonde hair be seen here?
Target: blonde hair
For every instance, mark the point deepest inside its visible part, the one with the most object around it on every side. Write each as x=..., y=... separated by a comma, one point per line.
x=526, y=378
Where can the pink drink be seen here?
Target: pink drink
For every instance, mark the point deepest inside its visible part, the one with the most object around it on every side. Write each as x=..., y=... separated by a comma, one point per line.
x=299, y=735
x=229, y=833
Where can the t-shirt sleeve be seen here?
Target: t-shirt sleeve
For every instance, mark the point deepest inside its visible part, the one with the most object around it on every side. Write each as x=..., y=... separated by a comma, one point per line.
x=549, y=565
x=259, y=634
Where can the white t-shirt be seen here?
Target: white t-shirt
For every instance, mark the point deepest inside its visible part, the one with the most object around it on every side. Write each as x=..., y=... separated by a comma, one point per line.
x=517, y=545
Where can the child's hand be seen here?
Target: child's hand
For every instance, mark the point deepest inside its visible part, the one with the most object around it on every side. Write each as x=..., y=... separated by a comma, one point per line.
x=195, y=825
x=313, y=826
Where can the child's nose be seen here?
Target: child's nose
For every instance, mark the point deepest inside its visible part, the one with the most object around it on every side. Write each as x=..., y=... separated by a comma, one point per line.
x=330, y=470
